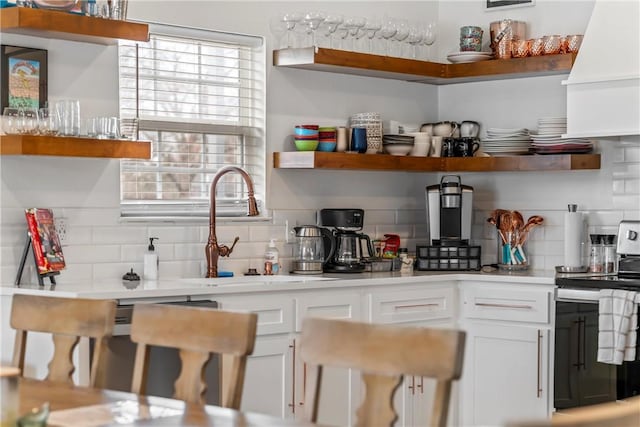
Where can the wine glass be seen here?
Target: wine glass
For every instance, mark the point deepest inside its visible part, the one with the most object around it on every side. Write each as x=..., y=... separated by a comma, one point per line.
x=328, y=28
x=371, y=28
x=430, y=37
x=291, y=20
x=387, y=31
x=278, y=28
x=414, y=39
x=351, y=25
x=312, y=20
x=402, y=32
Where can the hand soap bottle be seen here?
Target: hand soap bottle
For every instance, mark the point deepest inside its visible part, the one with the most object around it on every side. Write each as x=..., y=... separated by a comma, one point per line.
x=151, y=261
x=271, y=259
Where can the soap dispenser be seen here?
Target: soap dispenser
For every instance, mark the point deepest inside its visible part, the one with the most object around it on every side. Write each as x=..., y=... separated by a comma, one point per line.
x=151, y=261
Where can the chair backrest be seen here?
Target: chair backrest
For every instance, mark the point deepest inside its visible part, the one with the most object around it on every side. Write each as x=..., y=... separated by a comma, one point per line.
x=622, y=413
x=383, y=353
x=67, y=319
x=197, y=332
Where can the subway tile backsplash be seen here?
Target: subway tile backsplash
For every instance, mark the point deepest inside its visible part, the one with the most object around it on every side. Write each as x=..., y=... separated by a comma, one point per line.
x=99, y=246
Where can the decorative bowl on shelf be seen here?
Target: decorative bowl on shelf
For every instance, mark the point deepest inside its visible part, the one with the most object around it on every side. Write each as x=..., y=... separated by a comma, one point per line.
x=306, y=145
x=56, y=4
x=398, y=149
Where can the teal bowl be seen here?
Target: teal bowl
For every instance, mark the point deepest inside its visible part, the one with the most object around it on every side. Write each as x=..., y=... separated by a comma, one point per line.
x=306, y=145
x=326, y=146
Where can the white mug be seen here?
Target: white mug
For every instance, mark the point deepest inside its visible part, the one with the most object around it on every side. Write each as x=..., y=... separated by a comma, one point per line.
x=436, y=146
x=342, y=139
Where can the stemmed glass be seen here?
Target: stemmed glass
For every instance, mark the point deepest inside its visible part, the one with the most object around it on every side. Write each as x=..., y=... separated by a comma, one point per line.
x=371, y=28
x=278, y=28
x=328, y=28
x=291, y=19
x=402, y=32
x=352, y=25
x=429, y=37
x=387, y=31
x=414, y=39
x=312, y=20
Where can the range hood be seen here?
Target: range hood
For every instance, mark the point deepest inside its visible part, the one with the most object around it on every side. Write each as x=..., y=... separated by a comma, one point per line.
x=603, y=88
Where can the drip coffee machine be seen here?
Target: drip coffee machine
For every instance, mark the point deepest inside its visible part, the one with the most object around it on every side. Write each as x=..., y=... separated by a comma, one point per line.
x=350, y=248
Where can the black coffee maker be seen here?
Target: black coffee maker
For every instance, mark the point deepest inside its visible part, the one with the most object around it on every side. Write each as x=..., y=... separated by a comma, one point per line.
x=349, y=249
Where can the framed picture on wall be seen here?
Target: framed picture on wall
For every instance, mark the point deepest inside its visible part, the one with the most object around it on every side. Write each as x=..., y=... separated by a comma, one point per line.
x=24, y=77
x=503, y=4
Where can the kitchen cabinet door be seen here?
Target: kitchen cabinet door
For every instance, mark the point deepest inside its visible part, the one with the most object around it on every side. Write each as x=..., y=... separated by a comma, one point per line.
x=340, y=393
x=268, y=386
x=506, y=374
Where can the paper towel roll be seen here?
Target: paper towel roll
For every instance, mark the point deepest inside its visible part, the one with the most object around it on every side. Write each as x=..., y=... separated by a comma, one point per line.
x=573, y=228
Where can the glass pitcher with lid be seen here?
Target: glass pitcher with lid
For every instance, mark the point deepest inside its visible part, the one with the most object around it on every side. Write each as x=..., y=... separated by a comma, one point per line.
x=309, y=253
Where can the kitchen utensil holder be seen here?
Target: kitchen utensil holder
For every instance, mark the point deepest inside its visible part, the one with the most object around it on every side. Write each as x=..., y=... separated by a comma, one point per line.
x=452, y=258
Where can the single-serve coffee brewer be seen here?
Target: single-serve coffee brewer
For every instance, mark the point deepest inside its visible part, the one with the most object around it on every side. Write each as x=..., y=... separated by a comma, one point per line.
x=349, y=249
x=449, y=211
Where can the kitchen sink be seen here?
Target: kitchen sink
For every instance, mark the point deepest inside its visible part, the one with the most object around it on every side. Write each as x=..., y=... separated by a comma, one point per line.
x=252, y=280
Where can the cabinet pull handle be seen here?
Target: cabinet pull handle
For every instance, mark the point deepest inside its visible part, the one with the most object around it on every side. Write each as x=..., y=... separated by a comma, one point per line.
x=304, y=383
x=580, y=345
x=583, y=324
x=420, y=386
x=292, y=405
x=539, y=374
x=519, y=306
x=413, y=385
x=400, y=307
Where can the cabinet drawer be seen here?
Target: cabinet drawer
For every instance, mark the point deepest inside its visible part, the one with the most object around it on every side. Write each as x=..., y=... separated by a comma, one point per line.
x=332, y=306
x=275, y=314
x=412, y=305
x=522, y=305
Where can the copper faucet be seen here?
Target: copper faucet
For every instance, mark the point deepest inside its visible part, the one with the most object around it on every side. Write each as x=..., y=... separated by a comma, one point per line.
x=213, y=251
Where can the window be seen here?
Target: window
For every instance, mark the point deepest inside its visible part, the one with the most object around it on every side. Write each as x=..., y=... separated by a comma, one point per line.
x=199, y=96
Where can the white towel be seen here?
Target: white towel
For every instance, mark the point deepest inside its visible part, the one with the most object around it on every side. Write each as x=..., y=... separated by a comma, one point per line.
x=617, y=324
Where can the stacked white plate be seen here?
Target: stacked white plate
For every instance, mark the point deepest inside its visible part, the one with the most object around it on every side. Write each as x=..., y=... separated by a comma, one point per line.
x=373, y=123
x=504, y=142
x=548, y=139
x=462, y=57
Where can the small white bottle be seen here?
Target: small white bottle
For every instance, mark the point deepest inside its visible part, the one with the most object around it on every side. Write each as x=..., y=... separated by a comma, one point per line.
x=151, y=262
x=271, y=259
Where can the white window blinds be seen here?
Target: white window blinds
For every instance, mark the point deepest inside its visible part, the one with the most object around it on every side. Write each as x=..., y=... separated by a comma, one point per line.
x=199, y=96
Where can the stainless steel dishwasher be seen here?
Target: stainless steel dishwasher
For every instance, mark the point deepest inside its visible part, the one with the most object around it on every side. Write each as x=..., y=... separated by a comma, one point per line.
x=164, y=362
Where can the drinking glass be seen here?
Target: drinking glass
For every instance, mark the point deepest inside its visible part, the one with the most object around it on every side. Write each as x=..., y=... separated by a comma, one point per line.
x=29, y=120
x=402, y=32
x=69, y=112
x=328, y=28
x=312, y=21
x=291, y=20
x=10, y=120
x=387, y=31
x=430, y=37
x=49, y=121
x=414, y=39
x=371, y=28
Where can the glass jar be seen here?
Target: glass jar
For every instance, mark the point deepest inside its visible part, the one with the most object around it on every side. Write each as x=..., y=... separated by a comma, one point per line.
x=512, y=252
x=609, y=255
x=596, y=254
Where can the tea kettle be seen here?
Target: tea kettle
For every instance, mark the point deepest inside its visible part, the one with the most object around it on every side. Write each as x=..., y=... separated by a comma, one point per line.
x=309, y=254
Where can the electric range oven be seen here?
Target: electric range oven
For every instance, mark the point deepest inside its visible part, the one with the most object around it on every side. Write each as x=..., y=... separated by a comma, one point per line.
x=579, y=379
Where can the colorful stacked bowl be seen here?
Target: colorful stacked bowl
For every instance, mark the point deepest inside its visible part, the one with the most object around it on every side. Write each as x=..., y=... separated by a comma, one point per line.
x=306, y=137
x=327, y=139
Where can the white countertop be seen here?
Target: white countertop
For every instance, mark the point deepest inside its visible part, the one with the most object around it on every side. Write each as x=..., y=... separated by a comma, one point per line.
x=183, y=288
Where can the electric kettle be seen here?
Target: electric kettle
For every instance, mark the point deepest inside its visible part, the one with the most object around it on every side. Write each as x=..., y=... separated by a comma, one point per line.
x=309, y=253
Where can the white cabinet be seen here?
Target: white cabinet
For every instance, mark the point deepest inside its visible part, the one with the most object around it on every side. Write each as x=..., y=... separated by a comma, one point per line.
x=506, y=373
x=340, y=394
x=427, y=305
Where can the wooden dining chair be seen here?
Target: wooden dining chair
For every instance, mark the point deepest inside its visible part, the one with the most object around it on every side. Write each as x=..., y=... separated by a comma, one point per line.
x=196, y=332
x=67, y=319
x=383, y=353
x=622, y=413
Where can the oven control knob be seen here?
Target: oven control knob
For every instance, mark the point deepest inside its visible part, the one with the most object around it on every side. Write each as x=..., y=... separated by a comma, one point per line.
x=632, y=235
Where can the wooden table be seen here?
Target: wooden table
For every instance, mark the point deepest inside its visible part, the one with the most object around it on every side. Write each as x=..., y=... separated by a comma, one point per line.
x=83, y=406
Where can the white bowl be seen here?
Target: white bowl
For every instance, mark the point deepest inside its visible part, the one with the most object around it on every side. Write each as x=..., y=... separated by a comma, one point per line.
x=398, y=149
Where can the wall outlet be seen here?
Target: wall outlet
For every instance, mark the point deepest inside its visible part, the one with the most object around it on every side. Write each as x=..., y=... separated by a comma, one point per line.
x=61, y=228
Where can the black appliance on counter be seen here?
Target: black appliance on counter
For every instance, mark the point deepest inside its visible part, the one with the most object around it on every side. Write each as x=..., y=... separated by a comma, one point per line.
x=349, y=249
x=579, y=379
x=449, y=214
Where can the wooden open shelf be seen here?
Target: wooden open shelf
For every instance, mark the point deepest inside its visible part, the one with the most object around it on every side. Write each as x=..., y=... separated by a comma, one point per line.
x=68, y=26
x=38, y=145
x=387, y=162
x=363, y=64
